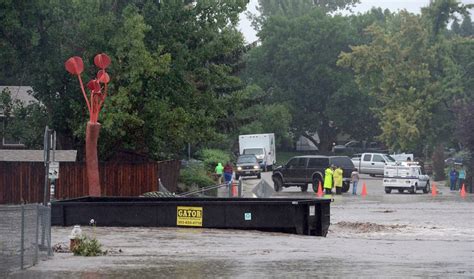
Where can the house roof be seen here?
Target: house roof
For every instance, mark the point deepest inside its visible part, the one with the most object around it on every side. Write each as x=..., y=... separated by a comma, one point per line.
x=36, y=155
x=21, y=93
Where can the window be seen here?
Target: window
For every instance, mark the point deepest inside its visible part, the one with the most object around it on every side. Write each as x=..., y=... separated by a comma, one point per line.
x=8, y=139
x=367, y=157
x=378, y=158
x=389, y=158
x=343, y=162
x=318, y=162
x=292, y=163
x=254, y=151
x=246, y=159
x=302, y=163
x=296, y=163
x=355, y=144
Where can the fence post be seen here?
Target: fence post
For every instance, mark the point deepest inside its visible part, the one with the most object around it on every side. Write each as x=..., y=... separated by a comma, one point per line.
x=35, y=261
x=22, y=236
x=47, y=216
x=240, y=187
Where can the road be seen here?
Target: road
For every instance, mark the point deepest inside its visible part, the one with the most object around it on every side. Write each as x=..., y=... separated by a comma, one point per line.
x=380, y=235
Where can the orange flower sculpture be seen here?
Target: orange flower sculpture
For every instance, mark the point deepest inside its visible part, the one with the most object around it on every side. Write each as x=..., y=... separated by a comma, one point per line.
x=94, y=102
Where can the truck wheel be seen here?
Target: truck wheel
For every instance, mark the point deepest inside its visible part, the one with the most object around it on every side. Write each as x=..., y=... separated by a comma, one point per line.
x=277, y=184
x=345, y=186
x=388, y=190
x=316, y=181
x=259, y=175
x=412, y=189
x=427, y=188
x=237, y=176
x=304, y=188
x=400, y=191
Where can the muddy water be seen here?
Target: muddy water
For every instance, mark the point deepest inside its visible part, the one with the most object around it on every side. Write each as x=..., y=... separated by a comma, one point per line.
x=377, y=236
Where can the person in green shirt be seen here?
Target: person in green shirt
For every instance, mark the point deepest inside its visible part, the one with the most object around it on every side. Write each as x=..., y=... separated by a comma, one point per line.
x=461, y=177
x=219, y=171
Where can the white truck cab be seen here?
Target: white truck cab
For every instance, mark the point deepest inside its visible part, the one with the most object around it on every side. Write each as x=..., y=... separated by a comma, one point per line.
x=405, y=176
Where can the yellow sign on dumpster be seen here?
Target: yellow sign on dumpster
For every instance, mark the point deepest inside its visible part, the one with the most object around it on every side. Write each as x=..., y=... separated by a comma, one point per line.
x=189, y=216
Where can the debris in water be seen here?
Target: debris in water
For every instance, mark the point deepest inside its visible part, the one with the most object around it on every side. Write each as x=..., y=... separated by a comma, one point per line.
x=366, y=227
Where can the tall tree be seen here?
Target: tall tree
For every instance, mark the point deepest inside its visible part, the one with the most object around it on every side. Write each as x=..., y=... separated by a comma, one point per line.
x=467, y=28
x=413, y=78
x=295, y=8
x=173, y=62
x=296, y=62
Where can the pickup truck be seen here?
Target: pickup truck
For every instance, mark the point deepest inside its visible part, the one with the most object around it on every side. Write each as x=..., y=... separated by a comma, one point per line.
x=405, y=176
x=301, y=171
x=372, y=163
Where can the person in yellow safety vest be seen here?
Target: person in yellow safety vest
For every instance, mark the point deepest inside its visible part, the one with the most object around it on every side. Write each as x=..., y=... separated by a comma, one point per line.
x=328, y=180
x=338, y=180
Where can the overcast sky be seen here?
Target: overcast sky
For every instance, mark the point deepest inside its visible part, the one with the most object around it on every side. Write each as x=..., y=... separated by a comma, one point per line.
x=413, y=6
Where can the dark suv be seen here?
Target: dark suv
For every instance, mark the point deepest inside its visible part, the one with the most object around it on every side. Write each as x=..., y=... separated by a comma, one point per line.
x=303, y=170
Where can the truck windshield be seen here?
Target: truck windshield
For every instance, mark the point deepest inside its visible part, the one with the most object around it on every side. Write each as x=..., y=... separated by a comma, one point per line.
x=255, y=151
x=389, y=158
x=247, y=160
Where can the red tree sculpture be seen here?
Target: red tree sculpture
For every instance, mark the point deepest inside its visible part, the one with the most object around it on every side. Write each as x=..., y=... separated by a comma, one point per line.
x=75, y=66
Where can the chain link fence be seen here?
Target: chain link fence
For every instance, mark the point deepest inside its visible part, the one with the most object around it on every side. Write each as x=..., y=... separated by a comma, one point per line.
x=25, y=236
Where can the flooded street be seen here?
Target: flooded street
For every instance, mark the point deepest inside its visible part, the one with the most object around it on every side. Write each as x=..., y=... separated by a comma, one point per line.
x=381, y=235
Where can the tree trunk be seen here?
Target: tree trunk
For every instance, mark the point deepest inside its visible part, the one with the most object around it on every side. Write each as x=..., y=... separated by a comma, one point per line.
x=92, y=161
x=327, y=136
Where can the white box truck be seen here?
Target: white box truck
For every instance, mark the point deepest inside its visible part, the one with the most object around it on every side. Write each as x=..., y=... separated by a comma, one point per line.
x=262, y=146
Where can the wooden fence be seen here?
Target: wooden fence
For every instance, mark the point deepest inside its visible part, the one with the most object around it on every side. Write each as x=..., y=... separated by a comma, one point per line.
x=23, y=182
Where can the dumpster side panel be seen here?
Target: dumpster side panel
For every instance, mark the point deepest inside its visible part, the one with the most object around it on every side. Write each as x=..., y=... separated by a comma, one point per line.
x=308, y=217
x=57, y=215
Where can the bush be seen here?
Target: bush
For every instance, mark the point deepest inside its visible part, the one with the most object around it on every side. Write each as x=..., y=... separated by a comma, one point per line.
x=195, y=175
x=211, y=157
x=88, y=247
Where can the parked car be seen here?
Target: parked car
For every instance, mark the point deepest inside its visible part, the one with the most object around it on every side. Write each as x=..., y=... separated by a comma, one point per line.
x=301, y=171
x=355, y=146
x=247, y=165
x=372, y=163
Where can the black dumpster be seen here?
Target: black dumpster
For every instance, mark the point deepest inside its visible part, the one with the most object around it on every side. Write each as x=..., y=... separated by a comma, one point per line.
x=299, y=216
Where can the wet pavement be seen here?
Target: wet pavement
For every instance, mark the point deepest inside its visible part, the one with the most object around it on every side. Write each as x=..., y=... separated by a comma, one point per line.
x=381, y=235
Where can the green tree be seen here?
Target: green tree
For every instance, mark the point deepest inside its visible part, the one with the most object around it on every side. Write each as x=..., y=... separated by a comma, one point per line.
x=24, y=122
x=467, y=28
x=412, y=77
x=296, y=65
x=172, y=65
x=455, y=27
x=295, y=8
